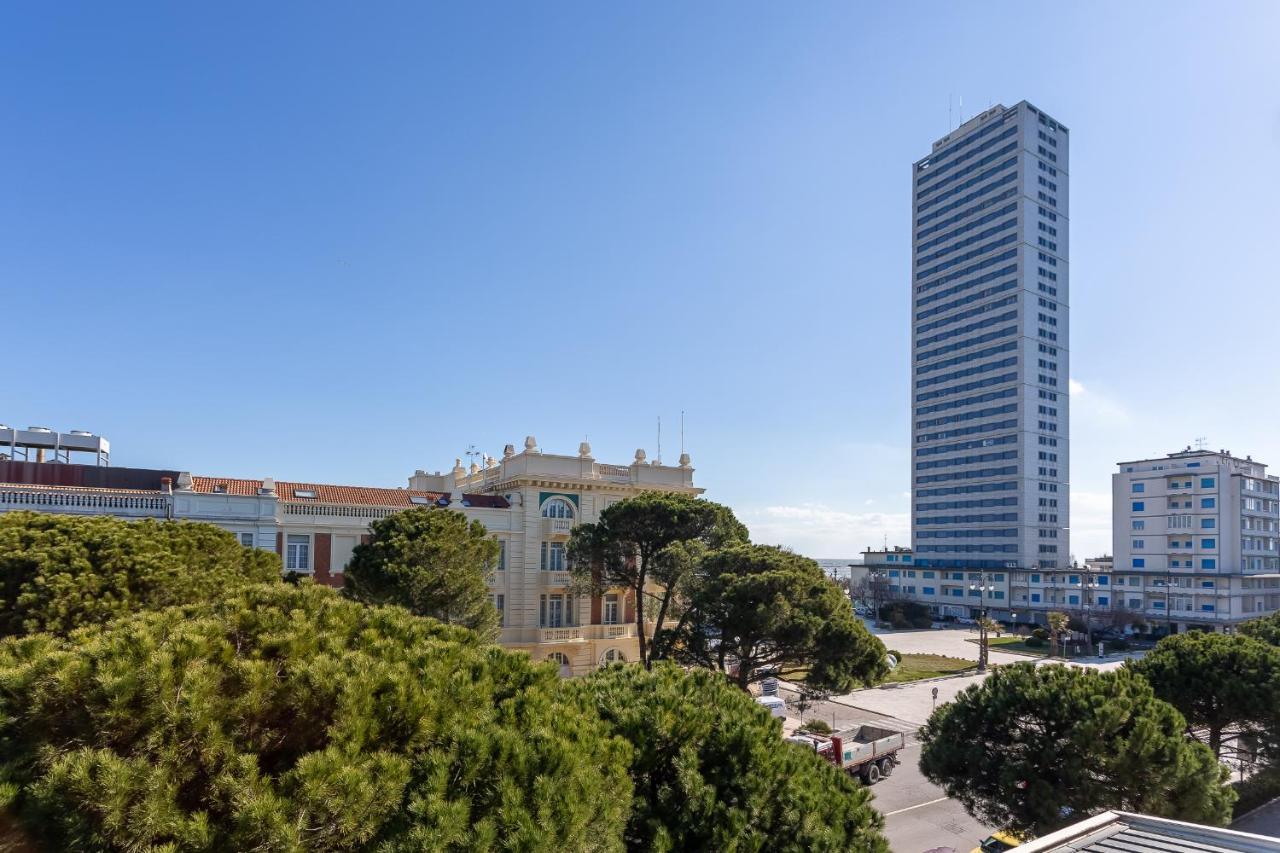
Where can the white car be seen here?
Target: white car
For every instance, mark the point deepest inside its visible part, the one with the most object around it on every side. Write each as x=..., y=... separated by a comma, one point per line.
x=776, y=705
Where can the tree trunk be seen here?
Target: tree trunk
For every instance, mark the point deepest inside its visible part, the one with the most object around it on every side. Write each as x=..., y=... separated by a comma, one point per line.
x=658, y=652
x=1215, y=741
x=644, y=645
x=744, y=675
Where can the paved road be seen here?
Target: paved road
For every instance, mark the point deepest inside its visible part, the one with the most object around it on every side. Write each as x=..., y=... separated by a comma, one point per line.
x=918, y=815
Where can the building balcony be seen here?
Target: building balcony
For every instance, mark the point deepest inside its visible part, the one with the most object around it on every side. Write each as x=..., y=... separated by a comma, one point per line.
x=557, y=528
x=557, y=579
x=561, y=635
x=582, y=633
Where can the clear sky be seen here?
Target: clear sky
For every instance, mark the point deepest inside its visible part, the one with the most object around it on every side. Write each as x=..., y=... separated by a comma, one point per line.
x=340, y=241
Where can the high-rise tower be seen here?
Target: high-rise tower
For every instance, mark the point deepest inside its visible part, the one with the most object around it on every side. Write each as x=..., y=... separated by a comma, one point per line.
x=989, y=360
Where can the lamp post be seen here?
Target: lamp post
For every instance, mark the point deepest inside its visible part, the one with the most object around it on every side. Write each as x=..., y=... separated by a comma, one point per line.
x=1088, y=587
x=982, y=588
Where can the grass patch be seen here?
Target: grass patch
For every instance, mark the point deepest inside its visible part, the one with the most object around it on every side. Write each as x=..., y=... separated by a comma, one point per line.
x=1018, y=646
x=915, y=667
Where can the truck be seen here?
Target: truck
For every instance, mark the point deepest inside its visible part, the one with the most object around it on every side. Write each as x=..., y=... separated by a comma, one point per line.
x=867, y=751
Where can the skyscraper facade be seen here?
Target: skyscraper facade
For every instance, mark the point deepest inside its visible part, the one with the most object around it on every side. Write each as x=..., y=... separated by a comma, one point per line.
x=989, y=354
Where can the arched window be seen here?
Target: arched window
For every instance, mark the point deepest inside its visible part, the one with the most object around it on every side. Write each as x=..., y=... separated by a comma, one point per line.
x=612, y=656
x=562, y=660
x=557, y=508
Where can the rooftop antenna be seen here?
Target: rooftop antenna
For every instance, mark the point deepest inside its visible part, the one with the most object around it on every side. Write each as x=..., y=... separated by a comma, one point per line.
x=472, y=453
x=950, y=123
x=1202, y=443
x=659, y=439
x=682, y=432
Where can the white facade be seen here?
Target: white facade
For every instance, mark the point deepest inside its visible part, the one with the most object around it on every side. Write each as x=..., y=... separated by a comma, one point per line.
x=1195, y=535
x=990, y=293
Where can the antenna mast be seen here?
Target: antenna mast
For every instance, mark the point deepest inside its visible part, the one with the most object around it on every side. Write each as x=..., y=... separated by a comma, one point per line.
x=659, y=439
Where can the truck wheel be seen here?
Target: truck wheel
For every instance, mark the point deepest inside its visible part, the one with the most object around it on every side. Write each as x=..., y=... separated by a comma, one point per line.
x=871, y=774
x=886, y=768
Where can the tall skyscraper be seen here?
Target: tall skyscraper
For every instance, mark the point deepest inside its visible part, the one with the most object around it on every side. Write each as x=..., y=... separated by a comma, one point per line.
x=989, y=360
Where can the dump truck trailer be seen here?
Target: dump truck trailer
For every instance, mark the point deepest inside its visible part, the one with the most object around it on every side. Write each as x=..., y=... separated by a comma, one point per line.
x=870, y=752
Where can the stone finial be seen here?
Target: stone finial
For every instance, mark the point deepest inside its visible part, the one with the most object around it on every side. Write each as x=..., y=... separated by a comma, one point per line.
x=474, y=467
x=641, y=456
x=184, y=481
x=584, y=450
x=268, y=486
x=458, y=470
x=684, y=460
x=489, y=462
x=508, y=451
x=530, y=444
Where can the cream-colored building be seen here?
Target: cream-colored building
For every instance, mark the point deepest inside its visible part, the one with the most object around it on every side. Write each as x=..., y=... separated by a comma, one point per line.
x=548, y=495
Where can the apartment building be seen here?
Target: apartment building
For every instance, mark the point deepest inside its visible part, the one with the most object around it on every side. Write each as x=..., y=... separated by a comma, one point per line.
x=1195, y=538
x=990, y=359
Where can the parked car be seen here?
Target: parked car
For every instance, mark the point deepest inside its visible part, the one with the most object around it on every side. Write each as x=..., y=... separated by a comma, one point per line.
x=998, y=842
x=776, y=705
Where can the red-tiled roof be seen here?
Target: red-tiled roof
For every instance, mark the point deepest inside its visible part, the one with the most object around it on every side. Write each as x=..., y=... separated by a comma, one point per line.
x=347, y=495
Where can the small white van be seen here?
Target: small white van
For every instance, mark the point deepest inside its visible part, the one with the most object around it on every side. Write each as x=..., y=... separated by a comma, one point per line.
x=777, y=707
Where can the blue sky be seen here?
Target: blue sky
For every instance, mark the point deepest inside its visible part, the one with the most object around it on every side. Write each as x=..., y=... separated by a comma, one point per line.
x=338, y=242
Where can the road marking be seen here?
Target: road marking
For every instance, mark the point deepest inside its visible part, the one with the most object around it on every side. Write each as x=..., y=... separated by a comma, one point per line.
x=917, y=806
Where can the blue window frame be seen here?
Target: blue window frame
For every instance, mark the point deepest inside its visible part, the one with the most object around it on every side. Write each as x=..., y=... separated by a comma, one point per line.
x=893, y=573
x=1208, y=523
x=1073, y=579
x=1139, y=506
x=1102, y=599
x=1139, y=487
x=1073, y=599
x=895, y=588
x=1208, y=543
x=1035, y=579
x=1139, y=562
x=906, y=558
x=1206, y=482
x=1157, y=605
x=957, y=593
x=999, y=593
x=928, y=590
x=973, y=592
x=1208, y=608
x=928, y=576
x=1103, y=581
x=1206, y=584
x=1208, y=503
x=1035, y=597
x=957, y=576
x=1208, y=563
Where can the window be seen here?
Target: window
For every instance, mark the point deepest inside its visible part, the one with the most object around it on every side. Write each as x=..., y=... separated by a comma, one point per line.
x=555, y=610
x=1103, y=581
x=1208, y=563
x=1073, y=579
x=1073, y=599
x=893, y=573
x=1208, y=543
x=1139, y=506
x=957, y=593
x=499, y=602
x=929, y=576
x=928, y=590
x=1135, y=604
x=220, y=489
x=1208, y=503
x=557, y=508
x=420, y=500
x=561, y=660
x=1139, y=544
x=1035, y=597
x=611, y=610
x=502, y=554
x=298, y=554
x=1139, y=487
x=1139, y=562
x=246, y=539
x=304, y=493
x=1157, y=605
x=1139, y=524
x=1103, y=600
x=1035, y=579
x=1207, y=482
x=1208, y=523
x=553, y=557
x=612, y=656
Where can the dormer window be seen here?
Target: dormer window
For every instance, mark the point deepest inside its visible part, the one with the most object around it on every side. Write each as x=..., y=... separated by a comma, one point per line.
x=421, y=500
x=220, y=488
x=309, y=494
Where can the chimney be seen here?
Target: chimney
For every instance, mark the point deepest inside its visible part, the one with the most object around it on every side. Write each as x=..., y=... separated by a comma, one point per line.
x=166, y=485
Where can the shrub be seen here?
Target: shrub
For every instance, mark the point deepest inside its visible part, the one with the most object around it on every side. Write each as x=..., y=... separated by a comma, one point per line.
x=1262, y=787
x=1035, y=642
x=1119, y=644
x=287, y=718
x=58, y=572
x=1040, y=633
x=897, y=655
x=818, y=727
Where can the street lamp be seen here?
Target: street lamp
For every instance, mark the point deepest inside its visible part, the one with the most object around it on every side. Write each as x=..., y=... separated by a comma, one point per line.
x=1088, y=587
x=982, y=588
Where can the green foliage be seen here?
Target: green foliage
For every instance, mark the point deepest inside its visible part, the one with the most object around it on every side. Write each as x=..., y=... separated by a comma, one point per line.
x=651, y=540
x=1040, y=633
x=1224, y=684
x=58, y=572
x=1266, y=629
x=817, y=727
x=902, y=615
x=756, y=609
x=711, y=771
x=286, y=718
x=897, y=655
x=1260, y=788
x=1031, y=742
x=431, y=561
x=1035, y=642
